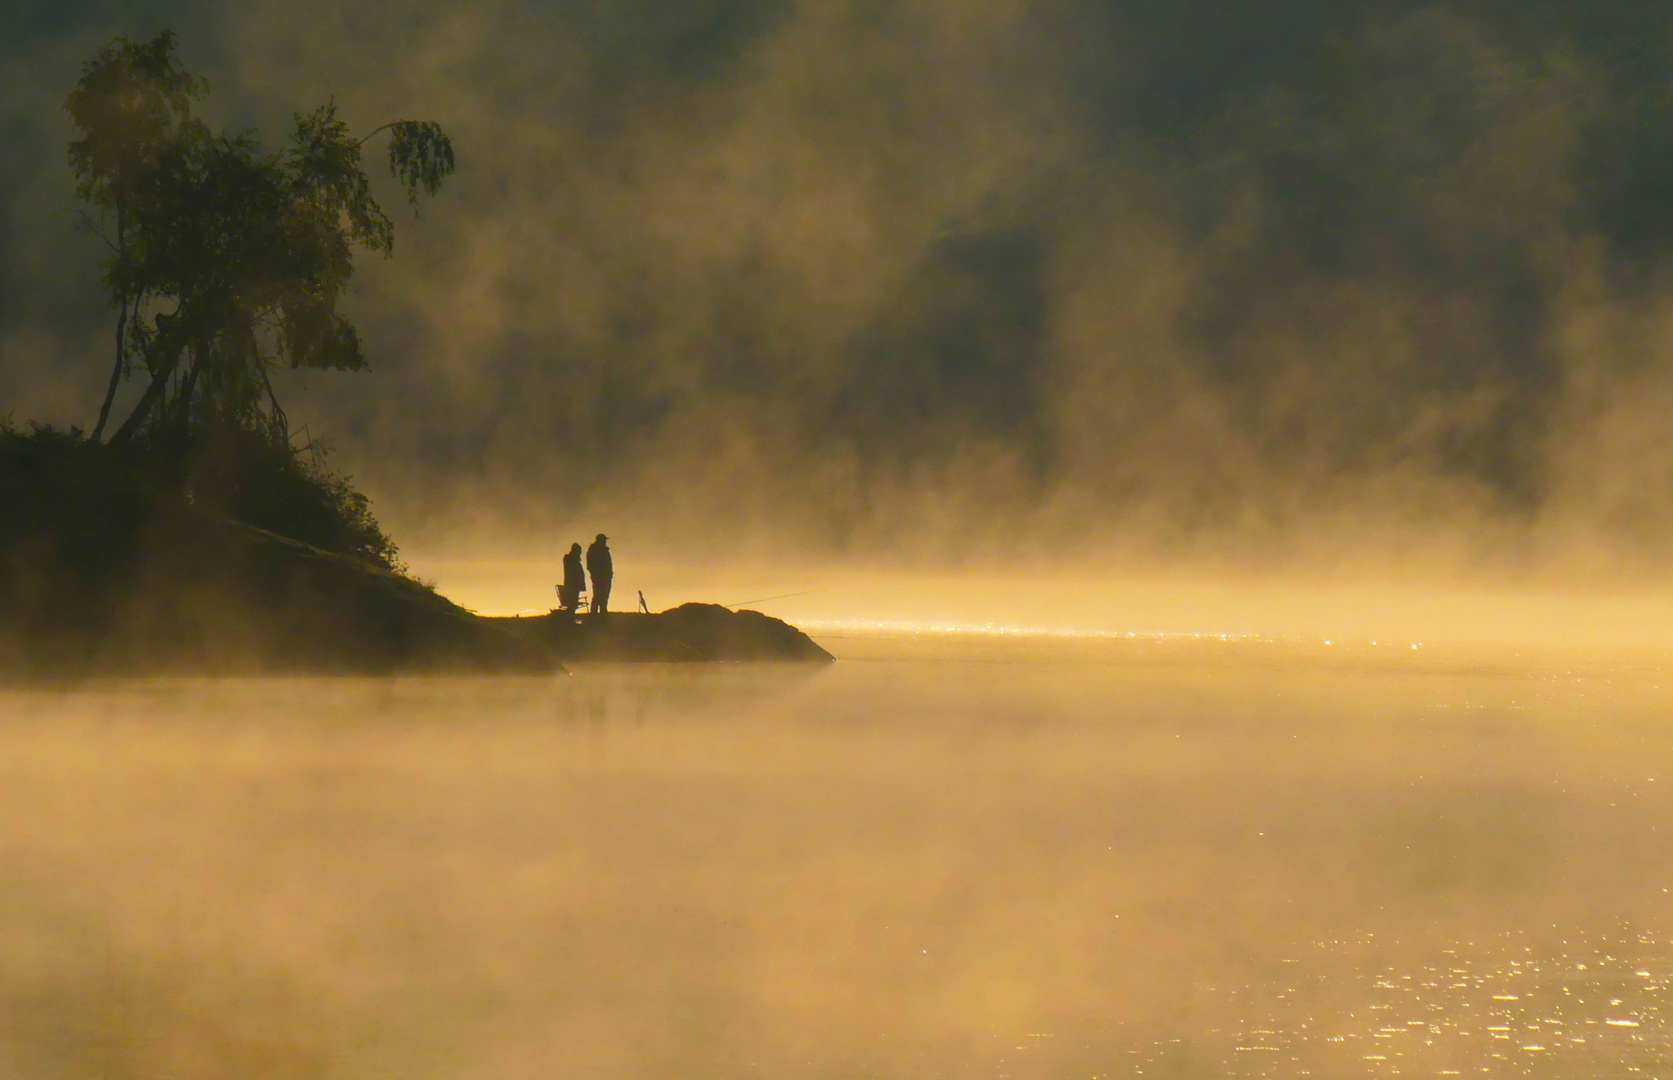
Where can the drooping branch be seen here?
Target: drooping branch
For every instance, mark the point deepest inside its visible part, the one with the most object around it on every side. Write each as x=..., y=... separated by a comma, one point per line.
x=281, y=422
x=420, y=155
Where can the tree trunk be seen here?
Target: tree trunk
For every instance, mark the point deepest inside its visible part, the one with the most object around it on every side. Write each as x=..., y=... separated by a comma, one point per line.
x=153, y=394
x=188, y=387
x=115, y=372
x=177, y=342
x=121, y=337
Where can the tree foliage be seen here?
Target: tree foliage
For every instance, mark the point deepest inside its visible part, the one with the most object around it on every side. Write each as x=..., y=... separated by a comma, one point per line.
x=227, y=259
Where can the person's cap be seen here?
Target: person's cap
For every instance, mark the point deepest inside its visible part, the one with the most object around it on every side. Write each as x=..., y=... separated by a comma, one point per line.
x=601, y=536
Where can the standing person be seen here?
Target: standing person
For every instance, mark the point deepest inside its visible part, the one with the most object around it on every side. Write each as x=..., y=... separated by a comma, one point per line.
x=574, y=580
x=599, y=566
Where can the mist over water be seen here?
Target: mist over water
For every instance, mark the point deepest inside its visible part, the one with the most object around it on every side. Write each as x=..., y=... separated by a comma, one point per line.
x=1023, y=858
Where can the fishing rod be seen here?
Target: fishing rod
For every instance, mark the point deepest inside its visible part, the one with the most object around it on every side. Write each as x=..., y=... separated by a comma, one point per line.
x=764, y=599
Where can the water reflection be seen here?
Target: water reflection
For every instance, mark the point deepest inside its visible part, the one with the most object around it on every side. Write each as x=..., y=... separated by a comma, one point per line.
x=919, y=863
x=1495, y=1006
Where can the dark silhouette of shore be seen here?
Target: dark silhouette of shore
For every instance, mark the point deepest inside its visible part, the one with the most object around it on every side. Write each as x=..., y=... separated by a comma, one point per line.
x=111, y=565
x=690, y=632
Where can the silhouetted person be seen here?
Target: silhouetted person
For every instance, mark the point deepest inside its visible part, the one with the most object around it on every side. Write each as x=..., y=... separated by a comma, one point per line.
x=599, y=566
x=574, y=580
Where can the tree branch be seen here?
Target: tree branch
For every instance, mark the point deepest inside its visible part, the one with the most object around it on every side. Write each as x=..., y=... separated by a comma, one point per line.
x=97, y=229
x=366, y=138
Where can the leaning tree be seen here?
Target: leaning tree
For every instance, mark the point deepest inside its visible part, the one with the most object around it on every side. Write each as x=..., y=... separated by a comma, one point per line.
x=226, y=259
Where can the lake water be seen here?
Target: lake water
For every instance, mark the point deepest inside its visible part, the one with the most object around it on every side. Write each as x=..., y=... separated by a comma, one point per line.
x=951, y=857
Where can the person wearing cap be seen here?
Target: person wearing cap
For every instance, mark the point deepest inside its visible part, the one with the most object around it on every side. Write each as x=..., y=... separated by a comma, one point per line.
x=599, y=566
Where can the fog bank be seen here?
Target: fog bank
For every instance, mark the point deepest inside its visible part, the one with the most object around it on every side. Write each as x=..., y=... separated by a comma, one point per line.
x=1125, y=282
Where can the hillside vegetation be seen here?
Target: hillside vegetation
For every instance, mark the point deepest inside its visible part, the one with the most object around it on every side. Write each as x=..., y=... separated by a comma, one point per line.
x=146, y=559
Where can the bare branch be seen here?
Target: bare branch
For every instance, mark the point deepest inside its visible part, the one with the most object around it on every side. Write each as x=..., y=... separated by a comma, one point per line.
x=97, y=228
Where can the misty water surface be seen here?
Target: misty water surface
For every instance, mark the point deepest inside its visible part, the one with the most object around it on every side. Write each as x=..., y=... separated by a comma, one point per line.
x=1104, y=859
